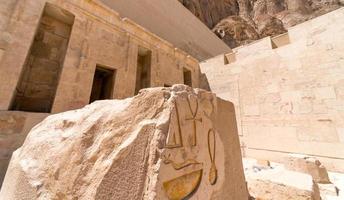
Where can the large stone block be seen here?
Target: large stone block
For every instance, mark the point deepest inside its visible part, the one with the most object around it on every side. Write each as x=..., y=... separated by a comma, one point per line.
x=273, y=181
x=316, y=132
x=291, y=96
x=251, y=110
x=165, y=143
x=309, y=165
x=325, y=93
x=340, y=132
x=266, y=189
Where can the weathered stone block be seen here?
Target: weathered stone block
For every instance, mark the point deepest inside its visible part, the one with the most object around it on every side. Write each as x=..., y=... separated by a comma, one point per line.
x=291, y=96
x=273, y=88
x=165, y=143
x=329, y=191
x=283, y=132
x=308, y=165
x=283, y=185
x=252, y=110
x=291, y=64
x=340, y=132
x=315, y=133
x=325, y=93
x=263, y=163
x=320, y=108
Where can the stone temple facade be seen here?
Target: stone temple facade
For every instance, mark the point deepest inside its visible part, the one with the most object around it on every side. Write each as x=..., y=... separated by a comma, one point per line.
x=62, y=55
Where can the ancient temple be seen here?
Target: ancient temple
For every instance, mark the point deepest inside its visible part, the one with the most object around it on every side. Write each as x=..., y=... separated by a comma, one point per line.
x=57, y=56
x=180, y=107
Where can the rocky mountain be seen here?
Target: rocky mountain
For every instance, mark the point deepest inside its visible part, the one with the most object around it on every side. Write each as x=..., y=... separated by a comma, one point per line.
x=239, y=22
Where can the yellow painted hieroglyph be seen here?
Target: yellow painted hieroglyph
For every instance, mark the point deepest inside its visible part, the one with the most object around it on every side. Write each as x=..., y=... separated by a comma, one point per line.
x=183, y=141
x=183, y=186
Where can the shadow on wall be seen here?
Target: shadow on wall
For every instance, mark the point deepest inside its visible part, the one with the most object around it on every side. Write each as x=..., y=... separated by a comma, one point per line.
x=204, y=83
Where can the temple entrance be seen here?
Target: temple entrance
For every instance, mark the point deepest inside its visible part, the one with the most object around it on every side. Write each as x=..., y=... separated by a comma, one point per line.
x=103, y=84
x=36, y=88
x=143, y=69
x=187, y=77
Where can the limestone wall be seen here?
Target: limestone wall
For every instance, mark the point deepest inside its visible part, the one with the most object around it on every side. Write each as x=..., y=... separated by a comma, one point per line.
x=288, y=97
x=99, y=37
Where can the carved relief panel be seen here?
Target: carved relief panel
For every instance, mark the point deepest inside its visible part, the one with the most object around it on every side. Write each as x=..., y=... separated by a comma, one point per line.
x=192, y=151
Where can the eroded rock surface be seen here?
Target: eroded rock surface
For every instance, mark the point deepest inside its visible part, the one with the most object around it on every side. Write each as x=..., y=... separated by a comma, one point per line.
x=309, y=165
x=270, y=180
x=276, y=182
x=265, y=17
x=262, y=189
x=165, y=143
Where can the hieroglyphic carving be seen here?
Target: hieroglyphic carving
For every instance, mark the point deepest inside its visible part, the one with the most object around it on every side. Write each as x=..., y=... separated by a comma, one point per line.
x=84, y=52
x=85, y=47
x=211, y=146
x=181, y=187
x=208, y=108
x=213, y=170
x=179, y=166
x=128, y=51
x=175, y=140
x=88, y=27
x=194, y=119
x=157, y=55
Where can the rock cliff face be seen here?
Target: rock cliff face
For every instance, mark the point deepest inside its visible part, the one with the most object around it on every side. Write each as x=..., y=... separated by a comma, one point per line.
x=165, y=143
x=239, y=22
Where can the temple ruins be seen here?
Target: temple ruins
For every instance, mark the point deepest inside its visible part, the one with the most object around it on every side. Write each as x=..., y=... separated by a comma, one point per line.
x=67, y=54
x=125, y=99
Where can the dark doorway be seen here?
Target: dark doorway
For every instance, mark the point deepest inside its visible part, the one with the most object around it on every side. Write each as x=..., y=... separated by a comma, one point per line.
x=36, y=88
x=187, y=77
x=143, y=72
x=103, y=83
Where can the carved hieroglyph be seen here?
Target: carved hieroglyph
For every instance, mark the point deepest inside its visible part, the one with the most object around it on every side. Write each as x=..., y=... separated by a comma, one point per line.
x=183, y=186
x=211, y=148
x=185, y=145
